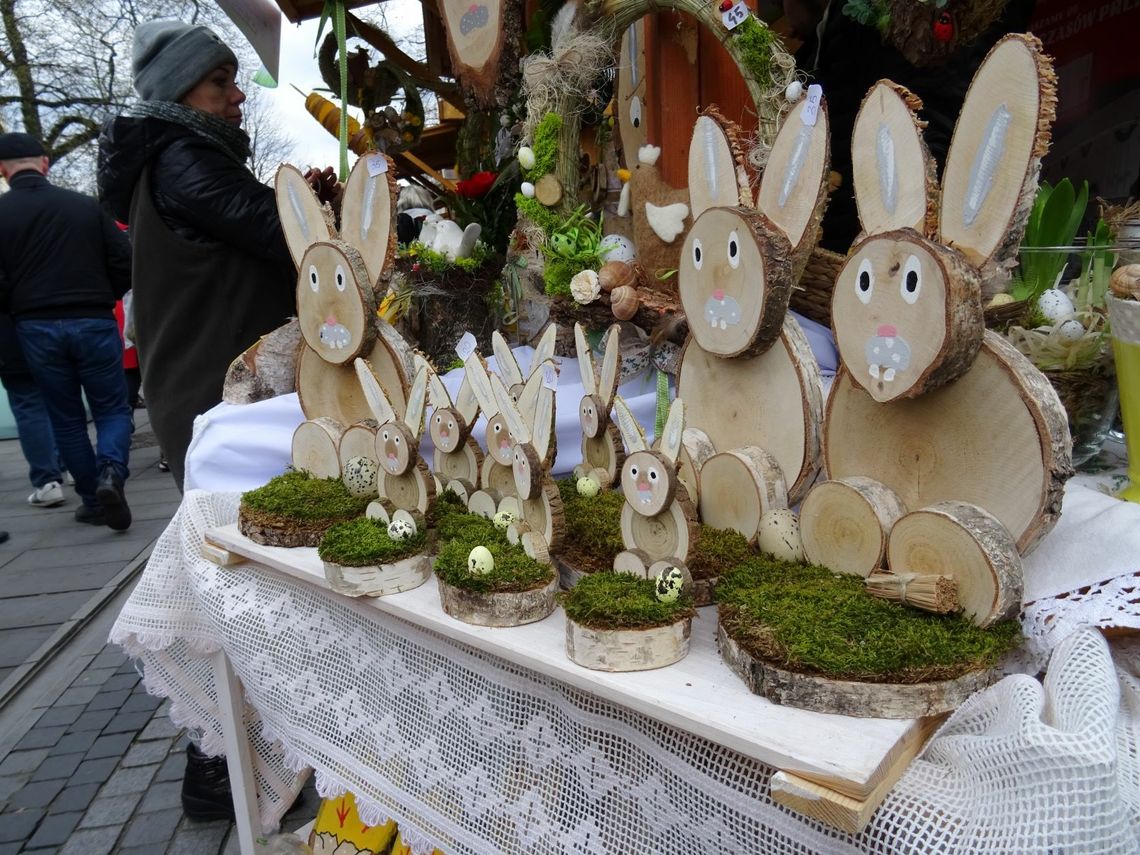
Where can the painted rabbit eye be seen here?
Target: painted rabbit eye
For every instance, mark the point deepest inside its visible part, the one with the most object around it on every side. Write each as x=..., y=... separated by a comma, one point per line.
x=734, y=250
x=635, y=111
x=653, y=475
x=698, y=253
x=314, y=279
x=498, y=428
x=340, y=280
x=865, y=281
x=450, y=424
x=384, y=435
x=912, y=280
x=396, y=440
x=633, y=471
x=439, y=420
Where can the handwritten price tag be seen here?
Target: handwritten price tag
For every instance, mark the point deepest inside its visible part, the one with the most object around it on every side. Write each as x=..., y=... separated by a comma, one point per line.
x=377, y=165
x=810, y=115
x=465, y=346
x=735, y=16
x=550, y=377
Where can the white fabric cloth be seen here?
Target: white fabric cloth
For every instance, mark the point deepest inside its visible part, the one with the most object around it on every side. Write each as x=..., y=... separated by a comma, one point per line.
x=476, y=755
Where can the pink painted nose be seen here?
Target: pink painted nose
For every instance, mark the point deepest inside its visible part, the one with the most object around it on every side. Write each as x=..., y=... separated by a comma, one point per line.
x=887, y=331
x=643, y=486
x=718, y=294
x=331, y=320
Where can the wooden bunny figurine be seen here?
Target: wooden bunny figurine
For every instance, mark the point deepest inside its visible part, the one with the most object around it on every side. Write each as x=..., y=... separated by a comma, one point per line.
x=404, y=483
x=457, y=457
x=602, y=453
x=658, y=520
x=931, y=412
x=748, y=377
x=336, y=306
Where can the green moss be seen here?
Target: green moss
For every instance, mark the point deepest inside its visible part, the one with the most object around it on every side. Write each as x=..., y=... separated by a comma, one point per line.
x=593, y=527
x=753, y=43
x=621, y=601
x=363, y=542
x=717, y=551
x=514, y=570
x=537, y=213
x=807, y=619
x=300, y=496
x=439, y=264
x=557, y=273
x=545, y=146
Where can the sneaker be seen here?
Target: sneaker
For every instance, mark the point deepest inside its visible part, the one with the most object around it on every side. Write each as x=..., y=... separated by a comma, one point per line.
x=68, y=478
x=91, y=515
x=110, y=494
x=48, y=496
x=206, y=787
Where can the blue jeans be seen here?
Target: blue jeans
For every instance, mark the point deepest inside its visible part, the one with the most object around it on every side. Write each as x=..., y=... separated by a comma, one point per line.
x=34, y=428
x=71, y=356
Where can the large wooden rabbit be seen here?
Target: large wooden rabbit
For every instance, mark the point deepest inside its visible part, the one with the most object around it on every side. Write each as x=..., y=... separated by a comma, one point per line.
x=336, y=306
x=748, y=377
x=658, y=519
x=602, y=454
x=931, y=412
x=457, y=458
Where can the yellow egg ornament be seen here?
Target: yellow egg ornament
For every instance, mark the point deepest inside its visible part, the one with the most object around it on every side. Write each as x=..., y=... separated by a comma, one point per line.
x=480, y=561
x=587, y=487
x=779, y=535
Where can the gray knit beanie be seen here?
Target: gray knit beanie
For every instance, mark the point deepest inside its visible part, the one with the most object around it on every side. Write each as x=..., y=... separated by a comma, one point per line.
x=170, y=57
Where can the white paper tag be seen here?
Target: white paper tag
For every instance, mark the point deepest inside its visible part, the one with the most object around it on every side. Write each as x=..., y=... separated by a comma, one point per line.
x=811, y=106
x=550, y=377
x=466, y=346
x=377, y=165
x=735, y=16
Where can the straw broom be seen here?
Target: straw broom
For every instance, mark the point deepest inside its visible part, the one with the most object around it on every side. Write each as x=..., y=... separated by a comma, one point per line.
x=932, y=592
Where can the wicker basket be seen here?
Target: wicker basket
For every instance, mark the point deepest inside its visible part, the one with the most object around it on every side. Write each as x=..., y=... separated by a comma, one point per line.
x=812, y=296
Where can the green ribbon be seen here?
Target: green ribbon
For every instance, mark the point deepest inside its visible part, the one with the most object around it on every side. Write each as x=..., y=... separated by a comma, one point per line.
x=662, y=411
x=335, y=10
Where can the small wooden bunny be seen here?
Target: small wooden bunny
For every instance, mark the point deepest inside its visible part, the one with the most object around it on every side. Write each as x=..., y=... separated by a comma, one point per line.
x=602, y=453
x=457, y=457
x=658, y=520
x=405, y=483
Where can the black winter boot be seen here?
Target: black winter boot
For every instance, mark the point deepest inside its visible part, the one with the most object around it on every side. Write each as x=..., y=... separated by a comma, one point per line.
x=206, y=792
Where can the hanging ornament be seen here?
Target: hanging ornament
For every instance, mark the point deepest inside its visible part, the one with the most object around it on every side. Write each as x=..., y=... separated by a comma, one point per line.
x=944, y=27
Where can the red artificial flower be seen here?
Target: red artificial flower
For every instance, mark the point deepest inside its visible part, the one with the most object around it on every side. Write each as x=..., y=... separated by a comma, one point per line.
x=476, y=186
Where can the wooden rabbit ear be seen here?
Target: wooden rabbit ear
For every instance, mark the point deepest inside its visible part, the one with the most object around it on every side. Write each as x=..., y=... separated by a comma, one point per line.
x=529, y=394
x=466, y=404
x=611, y=360
x=374, y=393
x=437, y=393
x=304, y=219
x=368, y=212
x=989, y=181
x=672, y=435
x=417, y=398
x=508, y=366
x=794, y=186
x=544, y=350
x=585, y=360
x=542, y=418
x=516, y=424
x=896, y=186
x=717, y=177
x=631, y=432
x=480, y=383
x=633, y=128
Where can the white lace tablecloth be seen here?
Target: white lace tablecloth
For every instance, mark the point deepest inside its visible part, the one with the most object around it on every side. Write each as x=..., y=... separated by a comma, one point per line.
x=475, y=755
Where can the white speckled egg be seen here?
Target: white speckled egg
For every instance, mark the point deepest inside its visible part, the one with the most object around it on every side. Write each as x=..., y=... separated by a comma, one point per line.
x=526, y=157
x=480, y=562
x=779, y=535
x=794, y=91
x=503, y=520
x=400, y=529
x=587, y=487
x=1070, y=330
x=527, y=189
x=1054, y=305
x=668, y=584
x=360, y=476
x=613, y=247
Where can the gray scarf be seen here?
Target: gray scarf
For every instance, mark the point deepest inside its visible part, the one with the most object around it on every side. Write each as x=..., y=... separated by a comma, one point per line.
x=229, y=138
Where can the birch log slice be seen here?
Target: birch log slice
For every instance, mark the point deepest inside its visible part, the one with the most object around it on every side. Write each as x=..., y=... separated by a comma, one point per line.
x=740, y=486
x=335, y=302
x=671, y=534
x=627, y=649
x=412, y=491
x=315, y=447
x=462, y=464
x=475, y=36
x=933, y=448
x=696, y=448
x=845, y=522
x=548, y=190
x=964, y=542
x=773, y=400
x=273, y=530
x=358, y=440
x=324, y=389
x=604, y=452
x=492, y=608
x=544, y=515
x=497, y=479
x=483, y=504
x=849, y=697
x=378, y=580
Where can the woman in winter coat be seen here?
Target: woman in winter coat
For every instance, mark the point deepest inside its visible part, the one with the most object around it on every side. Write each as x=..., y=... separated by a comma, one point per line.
x=211, y=270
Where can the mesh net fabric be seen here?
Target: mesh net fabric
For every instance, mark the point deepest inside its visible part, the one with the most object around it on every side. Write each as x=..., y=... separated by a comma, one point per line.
x=473, y=754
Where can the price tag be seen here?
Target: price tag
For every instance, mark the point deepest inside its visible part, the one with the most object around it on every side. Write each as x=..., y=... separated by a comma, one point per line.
x=466, y=346
x=550, y=377
x=811, y=106
x=377, y=165
x=735, y=16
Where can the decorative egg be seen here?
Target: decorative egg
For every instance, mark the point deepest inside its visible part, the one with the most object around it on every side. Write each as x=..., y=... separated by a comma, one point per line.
x=401, y=529
x=614, y=247
x=503, y=520
x=527, y=189
x=1001, y=298
x=794, y=91
x=360, y=476
x=480, y=561
x=1055, y=305
x=668, y=584
x=587, y=487
x=614, y=274
x=526, y=157
x=1070, y=330
x=624, y=302
x=779, y=535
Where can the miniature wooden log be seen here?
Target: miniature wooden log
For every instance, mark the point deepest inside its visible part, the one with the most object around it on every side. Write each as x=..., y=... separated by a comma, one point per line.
x=476, y=39
x=315, y=448
x=739, y=487
x=548, y=190
x=509, y=608
x=696, y=448
x=968, y=544
x=266, y=369
x=777, y=403
x=930, y=449
x=849, y=697
x=845, y=523
x=627, y=649
x=670, y=534
x=936, y=593
x=378, y=580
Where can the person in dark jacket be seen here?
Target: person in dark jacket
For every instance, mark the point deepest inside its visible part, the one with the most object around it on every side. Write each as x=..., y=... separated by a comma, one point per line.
x=63, y=264
x=212, y=272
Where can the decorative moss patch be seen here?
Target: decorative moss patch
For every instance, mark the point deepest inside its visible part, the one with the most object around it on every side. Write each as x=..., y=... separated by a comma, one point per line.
x=754, y=43
x=300, y=496
x=718, y=551
x=514, y=569
x=621, y=601
x=806, y=619
x=363, y=542
x=545, y=146
x=439, y=265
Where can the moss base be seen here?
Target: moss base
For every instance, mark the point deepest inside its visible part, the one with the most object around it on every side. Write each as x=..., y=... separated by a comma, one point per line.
x=604, y=601
x=295, y=509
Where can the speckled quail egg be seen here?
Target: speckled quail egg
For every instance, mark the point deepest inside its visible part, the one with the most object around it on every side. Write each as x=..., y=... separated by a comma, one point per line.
x=480, y=561
x=1054, y=305
x=1070, y=330
x=503, y=520
x=668, y=584
x=587, y=487
x=401, y=529
x=779, y=535
x=615, y=247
